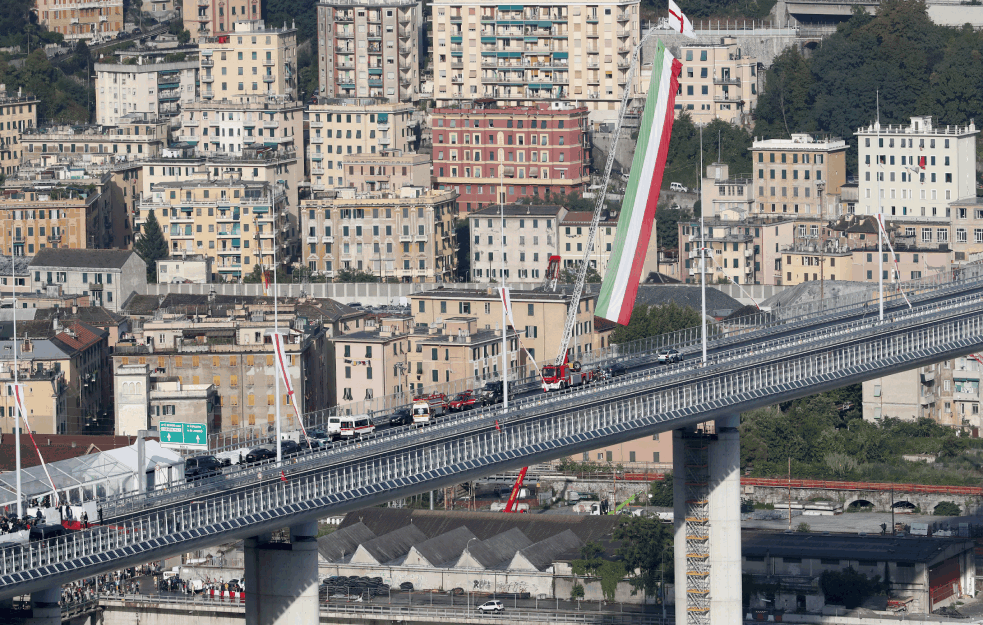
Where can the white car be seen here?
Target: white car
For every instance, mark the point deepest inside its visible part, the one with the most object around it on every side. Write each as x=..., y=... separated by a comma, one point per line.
x=668, y=356
x=491, y=606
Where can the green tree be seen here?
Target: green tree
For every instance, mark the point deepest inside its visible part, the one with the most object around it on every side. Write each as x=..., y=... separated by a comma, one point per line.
x=785, y=105
x=568, y=276
x=849, y=588
x=151, y=246
x=660, y=491
x=947, y=508
x=667, y=224
x=721, y=140
x=184, y=37
x=649, y=321
x=646, y=551
x=803, y=528
x=352, y=275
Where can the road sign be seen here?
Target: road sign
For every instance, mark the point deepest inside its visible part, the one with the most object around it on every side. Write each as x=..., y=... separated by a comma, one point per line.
x=184, y=435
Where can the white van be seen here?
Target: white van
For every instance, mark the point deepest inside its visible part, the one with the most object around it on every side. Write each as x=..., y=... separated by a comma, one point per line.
x=357, y=425
x=675, y=186
x=334, y=427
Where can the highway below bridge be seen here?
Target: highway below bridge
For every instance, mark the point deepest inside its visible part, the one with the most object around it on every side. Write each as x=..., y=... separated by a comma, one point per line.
x=743, y=372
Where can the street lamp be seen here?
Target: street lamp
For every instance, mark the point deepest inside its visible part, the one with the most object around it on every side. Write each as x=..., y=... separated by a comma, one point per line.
x=820, y=187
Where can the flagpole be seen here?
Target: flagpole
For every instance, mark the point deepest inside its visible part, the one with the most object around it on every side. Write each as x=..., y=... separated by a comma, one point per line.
x=703, y=259
x=17, y=415
x=276, y=330
x=880, y=219
x=505, y=327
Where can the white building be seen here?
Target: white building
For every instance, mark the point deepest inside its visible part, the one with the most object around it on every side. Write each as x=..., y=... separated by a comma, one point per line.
x=190, y=268
x=158, y=89
x=532, y=235
x=227, y=126
x=915, y=170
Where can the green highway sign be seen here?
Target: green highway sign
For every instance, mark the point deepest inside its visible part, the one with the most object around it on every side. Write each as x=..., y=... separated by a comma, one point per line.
x=187, y=435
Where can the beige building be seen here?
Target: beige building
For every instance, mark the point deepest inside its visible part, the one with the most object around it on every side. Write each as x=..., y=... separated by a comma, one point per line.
x=727, y=197
x=967, y=236
x=81, y=20
x=915, y=171
x=144, y=400
x=521, y=253
x=252, y=60
x=231, y=126
x=925, y=392
x=228, y=347
x=185, y=269
x=345, y=129
x=574, y=232
x=718, y=82
x=158, y=90
x=135, y=136
x=803, y=264
x=384, y=171
x=46, y=394
x=407, y=236
x=651, y=452
x=372, y=363
x=370, y=49
x=520, y=54
x=788, y=172
x=456, y=349
x=107, y=277
x=230, y=221
x=17, y=113
x=749, y=250
x=539, y=316
x=215, y=17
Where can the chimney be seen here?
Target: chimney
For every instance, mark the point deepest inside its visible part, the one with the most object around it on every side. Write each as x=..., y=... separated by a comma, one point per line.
x=75, y=308
x=55, y=324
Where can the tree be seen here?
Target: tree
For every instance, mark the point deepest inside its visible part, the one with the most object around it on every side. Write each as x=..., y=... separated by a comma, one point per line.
x=646, y=550
x=569, y=276
x=719, y=137
x=151, y=246
x=660, y=491
x=352, y=275
x=947, y=508
x=183, y=37
x=649, y=321
x=849, y=588
x=803, y=528
x=667, y=224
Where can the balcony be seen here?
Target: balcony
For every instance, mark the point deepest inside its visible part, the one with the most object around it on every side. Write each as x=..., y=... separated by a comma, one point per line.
x=190, y=123
x=268, y=62
x=345, y=17
x=623, y=17
x=327, y=238
x=927, y=400
x=317, y=171
x=727, y=80
x=271, y=123
x=383, y=127
x=207, y=93
x=207, y=62
x=314, y=124
x=726, y=98
x=312, y=239
x=208, y=78
x=95, y=286
x=269, y=79
x=928, y=377
x=317, y=139
x=344, y=34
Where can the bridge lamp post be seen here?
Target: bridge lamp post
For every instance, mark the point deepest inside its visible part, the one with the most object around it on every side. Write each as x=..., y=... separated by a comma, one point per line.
x=820, y=187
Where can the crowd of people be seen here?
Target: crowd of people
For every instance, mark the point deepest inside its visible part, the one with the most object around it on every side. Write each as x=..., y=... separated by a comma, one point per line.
x=121, y=582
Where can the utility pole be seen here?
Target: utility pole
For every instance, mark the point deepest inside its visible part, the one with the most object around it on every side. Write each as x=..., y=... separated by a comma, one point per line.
x=820, y=186
x=790, y=493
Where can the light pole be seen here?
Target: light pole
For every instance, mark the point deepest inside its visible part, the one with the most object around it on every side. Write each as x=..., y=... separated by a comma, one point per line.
x=820, y=186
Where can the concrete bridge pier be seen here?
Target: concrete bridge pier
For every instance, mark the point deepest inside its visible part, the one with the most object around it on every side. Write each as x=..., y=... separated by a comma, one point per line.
x=281, y=578
x=44, y=607
x=707, y=523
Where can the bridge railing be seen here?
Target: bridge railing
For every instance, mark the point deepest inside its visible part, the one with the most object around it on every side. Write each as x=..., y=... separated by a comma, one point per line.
x=491, y=441
x=730, y=359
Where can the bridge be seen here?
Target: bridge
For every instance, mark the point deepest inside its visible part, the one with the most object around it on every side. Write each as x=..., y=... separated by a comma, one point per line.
x=744, y=371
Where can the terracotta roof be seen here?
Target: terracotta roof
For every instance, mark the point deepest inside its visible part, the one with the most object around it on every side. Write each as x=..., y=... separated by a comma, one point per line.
x=603, y=325
x=85, y=336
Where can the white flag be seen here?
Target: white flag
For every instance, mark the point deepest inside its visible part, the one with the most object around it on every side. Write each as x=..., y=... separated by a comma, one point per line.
x=507, y=302
x=685, y=26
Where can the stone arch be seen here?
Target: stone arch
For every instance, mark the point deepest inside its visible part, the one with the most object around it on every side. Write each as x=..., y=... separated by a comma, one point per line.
x=904, y=506
x=860, y=505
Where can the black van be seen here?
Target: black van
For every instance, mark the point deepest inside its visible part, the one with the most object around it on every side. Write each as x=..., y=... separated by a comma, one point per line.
x=44, y=532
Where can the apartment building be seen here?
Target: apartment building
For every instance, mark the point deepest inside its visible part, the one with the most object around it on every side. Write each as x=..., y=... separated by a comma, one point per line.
x=370, y=49
x=60, y=213
x=232, y=221
x=521, y=252
x=727, y=197
x=719, y=82
x=455, y=348
x=805, y=262
x=372, y=363
x=81, y=20
x=406, y=236
x=158, y=90
x=185, y=269
x=574, y=232
x=17, y=113
x=967, y=222
x=540, y=317
x=384, y=171
x=749, y=250
x=229, y=347
x=494, y=155
x=107, y=277
x=135, y=136
x=788, y=172
x=341, y=129
x=915, y=170
x=926, y=393
x=521, y=54
x=46, y=392
x=650, y=450
x=214, y=17
x=143, y=400
x=231, y=126
x=253, y=60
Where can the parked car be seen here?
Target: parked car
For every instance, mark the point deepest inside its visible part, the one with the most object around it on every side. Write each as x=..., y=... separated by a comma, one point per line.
x=617, y=369
x=289, y=448
x=201, y=467
x=669, y=355
x=492, y=606
x=260, y=453
x=403, y=416
x=492, y=393
x=406, y=586
x=675, y=186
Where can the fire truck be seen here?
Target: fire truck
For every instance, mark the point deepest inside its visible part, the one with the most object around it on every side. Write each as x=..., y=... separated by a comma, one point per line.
x=559, y=377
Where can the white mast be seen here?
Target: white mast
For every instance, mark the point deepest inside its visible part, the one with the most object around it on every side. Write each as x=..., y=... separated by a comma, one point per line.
x=17, y=417
x=880, y=219
x=276, y=330
x=505, y=327
x=703, y=259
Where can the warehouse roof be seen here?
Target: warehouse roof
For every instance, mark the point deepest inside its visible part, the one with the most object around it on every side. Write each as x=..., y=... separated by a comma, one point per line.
x=564, y=545
x=918, y=549
x=440, y=549
x=81, y=258
x=389, y=546
x=343, y=542
x=496, y=550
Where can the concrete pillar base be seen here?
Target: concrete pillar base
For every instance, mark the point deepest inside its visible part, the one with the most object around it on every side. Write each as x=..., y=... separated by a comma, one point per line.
x=725, y=523
x=44, y=607
x=281, y=579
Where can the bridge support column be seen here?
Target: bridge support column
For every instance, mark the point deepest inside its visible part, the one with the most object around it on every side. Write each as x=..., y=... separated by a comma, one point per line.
x=707, y=522
x=281, y=579
x=44, y=607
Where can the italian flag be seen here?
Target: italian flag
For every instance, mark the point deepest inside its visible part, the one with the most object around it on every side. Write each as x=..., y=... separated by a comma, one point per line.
x=624, y=270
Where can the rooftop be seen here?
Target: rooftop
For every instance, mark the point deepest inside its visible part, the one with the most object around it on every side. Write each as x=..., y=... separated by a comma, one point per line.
x=98, y=316
x=197, y=304
x=684, y=295
x=562, y=294
x=921, y=125
x=800, y=141
x=519, y=210
x=21, y=264
x=872, y=547
x=81, y=259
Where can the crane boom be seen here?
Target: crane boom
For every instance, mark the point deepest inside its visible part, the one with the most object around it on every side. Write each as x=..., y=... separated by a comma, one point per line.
x=578, y=288
x=510, y=505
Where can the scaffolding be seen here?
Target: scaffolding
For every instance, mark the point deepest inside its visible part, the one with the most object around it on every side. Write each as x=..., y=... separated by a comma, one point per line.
x=696, y=459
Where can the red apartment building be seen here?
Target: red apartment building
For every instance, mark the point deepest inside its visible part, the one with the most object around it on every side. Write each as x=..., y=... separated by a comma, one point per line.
x=490, y=155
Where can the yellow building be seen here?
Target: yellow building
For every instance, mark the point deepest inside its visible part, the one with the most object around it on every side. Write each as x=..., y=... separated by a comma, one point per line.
x=406, y=236
x=17, y=114
x=45, y=394
x=788, y=172
x=388, y=170
x=348, y=128
x=372, y=363
x=718, y=82
x=228, y=220
x=77, y=20
x=574, y=231
x=539, y=316
x=252, y=60
x=456, y=349
x=137, y=136
x=519, y=54
x=211, y=17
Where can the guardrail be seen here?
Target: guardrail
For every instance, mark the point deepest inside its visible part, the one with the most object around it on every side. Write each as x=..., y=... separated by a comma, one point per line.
x=344, y=450
x=491, y=441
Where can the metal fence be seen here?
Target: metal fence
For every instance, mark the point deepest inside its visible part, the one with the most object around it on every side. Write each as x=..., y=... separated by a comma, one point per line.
x=254, y=500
